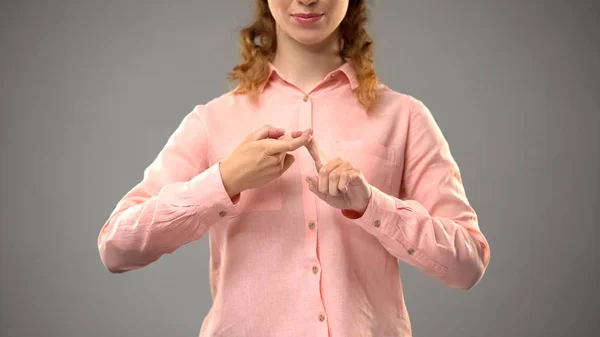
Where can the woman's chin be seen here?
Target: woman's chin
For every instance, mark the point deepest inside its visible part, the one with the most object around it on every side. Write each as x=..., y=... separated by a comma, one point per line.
x=311, y=39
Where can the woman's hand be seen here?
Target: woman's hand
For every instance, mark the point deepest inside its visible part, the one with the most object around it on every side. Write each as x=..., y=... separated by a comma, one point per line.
x=260, y=158
x=339, y=184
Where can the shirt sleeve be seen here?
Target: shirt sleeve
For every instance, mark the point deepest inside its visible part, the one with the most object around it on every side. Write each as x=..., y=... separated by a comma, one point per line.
x=178, y=199
x=431, y=226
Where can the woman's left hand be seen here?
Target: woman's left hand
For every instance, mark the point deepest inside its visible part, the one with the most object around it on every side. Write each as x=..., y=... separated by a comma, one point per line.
x=339, y=184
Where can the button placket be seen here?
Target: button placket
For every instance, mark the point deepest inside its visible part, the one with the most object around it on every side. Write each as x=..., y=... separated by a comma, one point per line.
x=310, y=203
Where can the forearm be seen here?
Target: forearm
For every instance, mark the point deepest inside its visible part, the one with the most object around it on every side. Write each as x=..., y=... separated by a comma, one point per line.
x=451, y=250
x=141, y=230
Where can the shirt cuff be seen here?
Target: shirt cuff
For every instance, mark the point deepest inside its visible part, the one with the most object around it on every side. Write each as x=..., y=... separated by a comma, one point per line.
x=381, y=211
x=210, y=197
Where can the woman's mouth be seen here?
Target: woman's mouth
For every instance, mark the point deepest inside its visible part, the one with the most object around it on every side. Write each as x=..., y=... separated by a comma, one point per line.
x=307, y=18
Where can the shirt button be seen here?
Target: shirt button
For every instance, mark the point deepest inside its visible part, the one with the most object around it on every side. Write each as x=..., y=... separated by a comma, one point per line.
x=222, y=213
x=321, y=317
x=305, y=99
x=315, y=270
x=411, y=251
x=377, y=223
x=311, y=225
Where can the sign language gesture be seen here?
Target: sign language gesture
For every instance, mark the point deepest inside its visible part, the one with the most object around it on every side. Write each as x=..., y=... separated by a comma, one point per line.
x=338, y=183
x=260, y=158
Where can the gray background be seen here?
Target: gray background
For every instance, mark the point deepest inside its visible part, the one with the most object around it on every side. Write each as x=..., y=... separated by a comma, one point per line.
x=513, y=85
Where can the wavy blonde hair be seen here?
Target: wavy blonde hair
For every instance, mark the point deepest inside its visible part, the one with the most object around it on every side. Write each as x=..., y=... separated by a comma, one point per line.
x=258, y=44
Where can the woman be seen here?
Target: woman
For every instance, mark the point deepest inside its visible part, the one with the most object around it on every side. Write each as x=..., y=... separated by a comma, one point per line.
x=306, y=227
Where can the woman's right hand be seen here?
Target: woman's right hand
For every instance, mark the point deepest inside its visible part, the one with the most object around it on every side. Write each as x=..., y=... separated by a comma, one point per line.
x=260, y=158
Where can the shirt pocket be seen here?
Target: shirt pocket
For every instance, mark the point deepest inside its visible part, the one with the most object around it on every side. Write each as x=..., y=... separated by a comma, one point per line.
x=265, y=198
x=375, y=161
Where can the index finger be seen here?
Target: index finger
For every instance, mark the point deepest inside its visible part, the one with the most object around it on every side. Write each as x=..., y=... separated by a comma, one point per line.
x=293, y=134
x=267, y=131
x=316, y=153
x=275, y=146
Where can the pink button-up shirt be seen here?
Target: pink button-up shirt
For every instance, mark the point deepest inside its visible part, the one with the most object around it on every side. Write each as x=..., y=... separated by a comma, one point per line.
x=282, y=261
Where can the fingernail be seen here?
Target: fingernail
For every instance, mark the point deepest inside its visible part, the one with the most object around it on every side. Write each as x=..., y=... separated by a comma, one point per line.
x=310, y=132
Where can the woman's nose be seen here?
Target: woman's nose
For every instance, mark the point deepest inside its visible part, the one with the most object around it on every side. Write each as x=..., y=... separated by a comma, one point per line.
x=308, y=2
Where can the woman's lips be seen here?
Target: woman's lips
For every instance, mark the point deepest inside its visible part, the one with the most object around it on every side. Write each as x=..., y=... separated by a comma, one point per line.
x=307, y=18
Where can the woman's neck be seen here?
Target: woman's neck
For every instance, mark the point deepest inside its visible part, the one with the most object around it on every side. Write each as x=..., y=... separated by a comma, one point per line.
x=306, y=66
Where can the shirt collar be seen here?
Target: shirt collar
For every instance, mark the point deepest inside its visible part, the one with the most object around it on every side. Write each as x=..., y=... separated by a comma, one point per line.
x=345, y=69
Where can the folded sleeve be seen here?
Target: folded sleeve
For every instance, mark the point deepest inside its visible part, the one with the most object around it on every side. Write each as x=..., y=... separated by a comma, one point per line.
x=431, y=226
x=176, y=202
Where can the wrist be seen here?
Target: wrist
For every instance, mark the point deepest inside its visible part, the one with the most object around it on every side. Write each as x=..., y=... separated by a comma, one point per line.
x=364, y=207
x=362, y=210
x=228, y=181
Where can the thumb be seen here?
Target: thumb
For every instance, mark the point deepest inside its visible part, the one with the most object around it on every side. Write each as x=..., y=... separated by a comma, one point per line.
x=267, y=131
